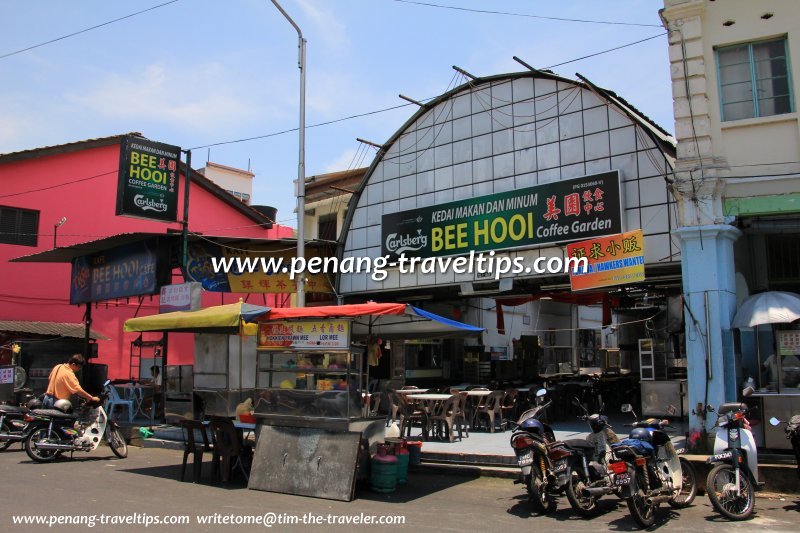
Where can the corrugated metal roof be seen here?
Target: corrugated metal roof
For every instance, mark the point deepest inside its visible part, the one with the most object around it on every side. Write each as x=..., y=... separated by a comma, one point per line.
x=56, y=329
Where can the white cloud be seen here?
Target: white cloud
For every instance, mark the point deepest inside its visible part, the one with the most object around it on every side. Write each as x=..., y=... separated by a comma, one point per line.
x=203, y=98
x=328, y=27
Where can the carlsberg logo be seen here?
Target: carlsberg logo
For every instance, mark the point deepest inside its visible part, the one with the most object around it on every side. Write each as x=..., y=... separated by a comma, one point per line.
x=406, y=243
x=148, y=204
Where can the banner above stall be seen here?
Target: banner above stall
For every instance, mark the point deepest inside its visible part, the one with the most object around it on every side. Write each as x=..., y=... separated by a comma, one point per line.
x=549, y=213
x=331, y=334
x=384, y=320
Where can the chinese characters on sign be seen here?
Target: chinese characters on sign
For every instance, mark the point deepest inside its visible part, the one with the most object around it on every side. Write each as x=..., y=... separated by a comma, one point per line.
x=304, y=334
x=181, y=297
x=613, y=260
x=148, y=179
x=7, y=375
x=559, y=211
x=789, y=342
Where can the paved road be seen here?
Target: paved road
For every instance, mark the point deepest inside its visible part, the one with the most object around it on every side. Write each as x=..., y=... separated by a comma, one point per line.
x=146, y=485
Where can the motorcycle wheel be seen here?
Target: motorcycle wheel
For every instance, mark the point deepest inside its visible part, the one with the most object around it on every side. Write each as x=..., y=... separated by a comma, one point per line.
x=542, y=502
x=642, y=513
x=116, y=442
x=41, y=456
x=721, y=488
x=585, y=506
x=688, y=491
x=4, y=429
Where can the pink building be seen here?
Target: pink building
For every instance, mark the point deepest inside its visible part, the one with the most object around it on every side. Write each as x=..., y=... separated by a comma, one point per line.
x=78, y=182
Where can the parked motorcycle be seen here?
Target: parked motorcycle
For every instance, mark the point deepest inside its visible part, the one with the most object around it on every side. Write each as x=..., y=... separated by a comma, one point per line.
x=13, y=426
x=58, y=430
x=590, y=478
x=733, y=479
x=530, y=439
x=649, y=472
x=792, y=430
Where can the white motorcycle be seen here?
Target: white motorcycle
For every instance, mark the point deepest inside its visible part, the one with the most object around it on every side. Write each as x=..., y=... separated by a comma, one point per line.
x=733, y=479
x=58, y=430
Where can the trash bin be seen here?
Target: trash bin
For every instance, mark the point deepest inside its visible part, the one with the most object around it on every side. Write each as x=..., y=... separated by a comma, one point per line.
x=414, y=452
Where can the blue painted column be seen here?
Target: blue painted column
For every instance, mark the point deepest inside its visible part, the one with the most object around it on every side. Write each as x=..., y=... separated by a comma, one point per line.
x=709, y=278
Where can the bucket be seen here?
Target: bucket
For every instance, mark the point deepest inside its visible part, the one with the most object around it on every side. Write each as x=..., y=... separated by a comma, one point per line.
x=414, y=452
x=383, y=477
x=402, y=466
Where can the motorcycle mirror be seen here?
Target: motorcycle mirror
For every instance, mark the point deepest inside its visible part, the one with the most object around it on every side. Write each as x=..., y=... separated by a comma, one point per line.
x=576, y=402
x=774, y=421
x=626, y=408
x=541, y=392
x=748, y=391
x=106, y=383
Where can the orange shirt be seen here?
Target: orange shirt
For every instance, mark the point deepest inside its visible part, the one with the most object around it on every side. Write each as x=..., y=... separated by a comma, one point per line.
x=63, y=382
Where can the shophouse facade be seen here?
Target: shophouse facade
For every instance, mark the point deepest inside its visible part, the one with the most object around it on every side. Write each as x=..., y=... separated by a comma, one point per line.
x=737, y=178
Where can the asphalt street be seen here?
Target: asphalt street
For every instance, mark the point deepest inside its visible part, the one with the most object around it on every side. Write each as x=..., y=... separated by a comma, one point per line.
x=145, y=486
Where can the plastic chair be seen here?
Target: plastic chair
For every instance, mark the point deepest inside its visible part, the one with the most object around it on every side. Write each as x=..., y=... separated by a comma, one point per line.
x=492, y=409
x=228, y=446
x=408, y=415
x=445, y=416
x=191, y=446
x=114, y=400
x=509, y=404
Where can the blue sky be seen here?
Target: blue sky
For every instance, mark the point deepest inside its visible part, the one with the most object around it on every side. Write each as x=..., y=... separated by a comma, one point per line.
x=198, y=72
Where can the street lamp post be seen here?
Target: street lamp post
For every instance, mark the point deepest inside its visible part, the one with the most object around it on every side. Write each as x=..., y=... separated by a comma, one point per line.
x=55, y=229
x=301, y=166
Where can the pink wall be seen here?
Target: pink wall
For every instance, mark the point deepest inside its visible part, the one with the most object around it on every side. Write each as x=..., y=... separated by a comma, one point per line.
x=40, y=291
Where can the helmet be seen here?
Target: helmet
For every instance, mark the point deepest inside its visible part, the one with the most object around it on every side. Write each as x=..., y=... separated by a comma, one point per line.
x=598, y=422
x=532, y=425
x=641, y=434
x=65, y=406
x=34, y=403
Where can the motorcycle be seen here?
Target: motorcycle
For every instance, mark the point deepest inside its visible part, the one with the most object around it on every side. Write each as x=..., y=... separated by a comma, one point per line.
x=13, y=427
x=792, y=430
x=590, y=478
x=530, y=439
x=648, y=471
x=57, y=430
x=733, y=479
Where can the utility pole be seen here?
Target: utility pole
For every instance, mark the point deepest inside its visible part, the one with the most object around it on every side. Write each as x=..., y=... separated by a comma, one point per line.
x=301, y=166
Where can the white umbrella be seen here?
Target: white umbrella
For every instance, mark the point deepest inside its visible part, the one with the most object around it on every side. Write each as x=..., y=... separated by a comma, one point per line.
x=772, y=307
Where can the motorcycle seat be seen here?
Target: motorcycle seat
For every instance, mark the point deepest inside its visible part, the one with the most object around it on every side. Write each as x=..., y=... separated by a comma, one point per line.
x=731, y=407
x=578, y=443
x=54, y=413
x=13, y=410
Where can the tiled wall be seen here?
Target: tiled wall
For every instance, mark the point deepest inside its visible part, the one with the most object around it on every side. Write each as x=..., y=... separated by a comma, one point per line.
x=508, y=135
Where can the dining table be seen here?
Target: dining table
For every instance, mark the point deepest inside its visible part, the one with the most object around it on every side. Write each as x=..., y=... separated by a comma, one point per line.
x=428, y=403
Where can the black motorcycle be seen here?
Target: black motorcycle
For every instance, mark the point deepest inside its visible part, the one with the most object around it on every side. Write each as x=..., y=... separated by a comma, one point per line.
x=13, y=426
x=792, y=431
x=530, y=439
x=591, y=479
x=649, y=472
x=58, y=430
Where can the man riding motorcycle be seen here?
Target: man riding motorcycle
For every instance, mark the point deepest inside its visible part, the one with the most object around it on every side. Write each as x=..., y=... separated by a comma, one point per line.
x=64, y=383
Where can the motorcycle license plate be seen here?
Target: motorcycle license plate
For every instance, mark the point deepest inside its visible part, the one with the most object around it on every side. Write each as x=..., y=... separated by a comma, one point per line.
x=622, y=479
x=525, y=459
x=560, y=466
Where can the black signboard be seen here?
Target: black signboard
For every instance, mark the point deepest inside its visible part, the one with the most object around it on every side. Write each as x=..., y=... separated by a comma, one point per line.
x=550, y=213
x=148, y=179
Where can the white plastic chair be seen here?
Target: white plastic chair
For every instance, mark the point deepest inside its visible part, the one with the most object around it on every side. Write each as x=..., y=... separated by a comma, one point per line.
x=114, y=399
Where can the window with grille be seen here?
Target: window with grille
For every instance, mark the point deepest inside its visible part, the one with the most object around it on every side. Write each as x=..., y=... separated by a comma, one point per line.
x=19, y=226
x=754, y=80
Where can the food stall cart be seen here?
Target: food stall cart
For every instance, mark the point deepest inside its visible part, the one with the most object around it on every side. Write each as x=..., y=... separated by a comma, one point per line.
x=774, y=316
x=223, y=347
x=311, y=403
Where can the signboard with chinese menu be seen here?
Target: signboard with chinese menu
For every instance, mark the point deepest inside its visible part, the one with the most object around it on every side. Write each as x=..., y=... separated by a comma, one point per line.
x=130, y=270
x=613, y=260
x=789, y=342
x=257, y=275
x=148, y=179
x=180, y=297
x=304, y=335
x=559, y=211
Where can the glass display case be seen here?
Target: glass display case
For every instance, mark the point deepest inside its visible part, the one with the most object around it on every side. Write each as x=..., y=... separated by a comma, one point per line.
x=309, y=384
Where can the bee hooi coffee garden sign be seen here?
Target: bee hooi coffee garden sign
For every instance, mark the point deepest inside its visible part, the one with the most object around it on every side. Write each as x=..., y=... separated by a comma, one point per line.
x=148, y=179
